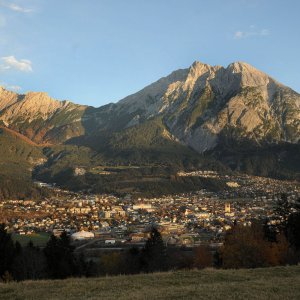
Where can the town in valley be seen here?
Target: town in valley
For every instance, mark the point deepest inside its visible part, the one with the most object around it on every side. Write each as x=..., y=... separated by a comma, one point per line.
x=101, y=222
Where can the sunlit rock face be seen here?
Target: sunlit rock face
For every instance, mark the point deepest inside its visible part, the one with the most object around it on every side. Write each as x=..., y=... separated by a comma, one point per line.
x=197, y=105
x=202, y=102
x=40, y=117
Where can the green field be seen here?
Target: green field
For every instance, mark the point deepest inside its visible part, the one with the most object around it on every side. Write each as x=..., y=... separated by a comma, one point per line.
x=38, y=239
x=268, y=283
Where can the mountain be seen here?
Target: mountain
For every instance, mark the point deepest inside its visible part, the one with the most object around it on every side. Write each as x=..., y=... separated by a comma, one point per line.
x=39, y=117
x=204, y=116
x=201, y=103
x=197, y=105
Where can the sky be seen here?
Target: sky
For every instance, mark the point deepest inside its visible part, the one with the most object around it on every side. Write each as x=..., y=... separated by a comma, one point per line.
x=98, y=51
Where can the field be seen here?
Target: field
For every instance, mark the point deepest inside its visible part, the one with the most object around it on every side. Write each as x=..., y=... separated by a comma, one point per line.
x=268, y=283
x=38, y=239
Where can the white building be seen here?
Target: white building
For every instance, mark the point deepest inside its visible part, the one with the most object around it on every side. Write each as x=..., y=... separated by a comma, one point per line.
x=82, y=235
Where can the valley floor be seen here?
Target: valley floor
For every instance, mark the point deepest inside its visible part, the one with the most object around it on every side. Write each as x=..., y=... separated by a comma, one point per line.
x=268, y=283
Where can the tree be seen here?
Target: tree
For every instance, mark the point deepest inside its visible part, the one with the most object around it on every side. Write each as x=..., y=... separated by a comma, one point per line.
x=154, y=256
x=217, y=259
x=60, y=257
x=203, y=257
x=246, y=247
x=277, y=252
x=270, y=231
x=283, y=209
x=29, y=264
x=7, y=251
x=132, y=261
x=293, y=230
x=289, y=212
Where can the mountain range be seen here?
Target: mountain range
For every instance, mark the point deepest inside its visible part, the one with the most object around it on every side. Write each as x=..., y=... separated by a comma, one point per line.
x=234, y=118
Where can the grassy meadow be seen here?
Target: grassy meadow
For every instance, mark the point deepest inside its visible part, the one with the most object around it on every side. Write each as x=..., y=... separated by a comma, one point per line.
x=38, y=239
x=267, y=283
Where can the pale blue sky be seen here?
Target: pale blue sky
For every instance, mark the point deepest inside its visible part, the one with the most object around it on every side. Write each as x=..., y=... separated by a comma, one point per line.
x=99, y=51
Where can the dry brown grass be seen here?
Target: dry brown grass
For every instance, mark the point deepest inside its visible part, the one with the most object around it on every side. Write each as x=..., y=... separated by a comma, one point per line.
x=268, y=283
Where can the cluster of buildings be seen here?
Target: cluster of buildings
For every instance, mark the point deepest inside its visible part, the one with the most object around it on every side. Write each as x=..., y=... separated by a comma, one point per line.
x=188, y=219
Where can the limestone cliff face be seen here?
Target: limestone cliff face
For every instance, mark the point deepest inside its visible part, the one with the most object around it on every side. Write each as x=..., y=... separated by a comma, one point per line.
x=39, y=117
x=7, y=98
x=199, y=106
x=33, y=105
x=203, y=102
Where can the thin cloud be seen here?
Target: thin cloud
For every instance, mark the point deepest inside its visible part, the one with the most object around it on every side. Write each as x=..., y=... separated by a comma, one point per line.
x=15, y=88
x=15, y=7
x=252, y=32
x=11, y=63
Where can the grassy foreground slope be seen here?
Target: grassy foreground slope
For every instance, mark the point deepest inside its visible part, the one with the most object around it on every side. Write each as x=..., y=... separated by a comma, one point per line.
x=268, y=283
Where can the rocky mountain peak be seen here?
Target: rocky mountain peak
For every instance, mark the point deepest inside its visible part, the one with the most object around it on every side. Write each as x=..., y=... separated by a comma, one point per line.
x=3, y=90
x=249, y=75
x=198, y=65
x=240, y=66
x=7, y=98
x=40, y=102
x=28, y=107
x=32, y=94
x=198, y=69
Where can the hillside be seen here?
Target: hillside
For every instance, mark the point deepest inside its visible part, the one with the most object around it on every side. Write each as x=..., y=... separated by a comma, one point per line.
x=18, y=157
x=268, y=283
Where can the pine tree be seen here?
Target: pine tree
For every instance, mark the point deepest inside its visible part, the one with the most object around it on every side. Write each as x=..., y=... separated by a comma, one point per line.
x=29, y=263
x=154, y=256
x=7, y=251
x=293, y=230
x=60, y=257
x=283, y=209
